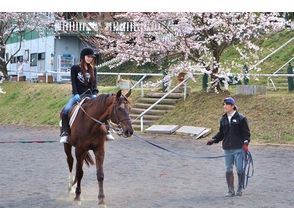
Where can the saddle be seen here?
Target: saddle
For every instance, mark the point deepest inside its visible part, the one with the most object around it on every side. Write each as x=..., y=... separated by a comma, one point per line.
x=75, y=110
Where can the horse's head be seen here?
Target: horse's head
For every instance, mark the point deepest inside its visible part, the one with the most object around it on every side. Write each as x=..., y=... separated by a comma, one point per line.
x=120, y=113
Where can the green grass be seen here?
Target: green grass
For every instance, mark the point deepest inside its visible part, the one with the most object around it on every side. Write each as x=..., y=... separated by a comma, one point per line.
x=270, y=116
x=267, y=45
x=37, y=104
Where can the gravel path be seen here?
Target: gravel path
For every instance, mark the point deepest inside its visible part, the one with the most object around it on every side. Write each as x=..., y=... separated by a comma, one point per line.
x=139, y=175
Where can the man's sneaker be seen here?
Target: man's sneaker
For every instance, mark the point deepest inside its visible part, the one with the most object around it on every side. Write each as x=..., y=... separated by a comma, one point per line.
x=64, y=138
x=109, y=136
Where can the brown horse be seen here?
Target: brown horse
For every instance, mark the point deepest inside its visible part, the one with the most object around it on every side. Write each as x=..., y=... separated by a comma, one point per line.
x=87, y=133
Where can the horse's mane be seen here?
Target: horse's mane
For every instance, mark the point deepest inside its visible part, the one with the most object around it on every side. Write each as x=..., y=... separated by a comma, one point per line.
x=101, y=102
x=102, y=99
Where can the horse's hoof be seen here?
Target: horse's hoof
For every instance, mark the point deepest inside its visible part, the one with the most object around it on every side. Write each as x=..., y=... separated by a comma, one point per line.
x=101, y=204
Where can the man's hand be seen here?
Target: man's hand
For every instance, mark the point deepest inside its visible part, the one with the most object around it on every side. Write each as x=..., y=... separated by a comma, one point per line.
x=210, y=142
x=246, y=146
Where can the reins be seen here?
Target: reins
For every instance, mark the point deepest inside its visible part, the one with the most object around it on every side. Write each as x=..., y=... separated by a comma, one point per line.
x=248, y=166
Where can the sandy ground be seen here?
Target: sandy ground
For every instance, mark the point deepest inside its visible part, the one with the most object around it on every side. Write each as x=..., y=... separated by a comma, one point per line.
x=138, y=174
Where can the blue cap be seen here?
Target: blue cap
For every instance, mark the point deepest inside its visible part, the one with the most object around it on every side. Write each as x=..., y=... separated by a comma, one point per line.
x=229, y=100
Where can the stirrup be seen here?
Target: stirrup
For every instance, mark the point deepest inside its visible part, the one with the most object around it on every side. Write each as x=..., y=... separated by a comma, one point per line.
x=109, y=136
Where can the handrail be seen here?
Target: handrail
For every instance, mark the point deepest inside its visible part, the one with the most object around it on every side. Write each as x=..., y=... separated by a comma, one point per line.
x=137, y=83
x=159, y=100
x=283, y=66
x=259, y=62
x=140, y=82
x=129, y=74
x=269, y=78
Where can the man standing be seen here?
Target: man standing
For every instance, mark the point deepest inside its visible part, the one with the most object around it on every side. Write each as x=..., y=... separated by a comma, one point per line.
x=235, y=134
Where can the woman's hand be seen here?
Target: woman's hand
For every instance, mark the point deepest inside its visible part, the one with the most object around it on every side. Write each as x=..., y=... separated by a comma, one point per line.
x=77, y=97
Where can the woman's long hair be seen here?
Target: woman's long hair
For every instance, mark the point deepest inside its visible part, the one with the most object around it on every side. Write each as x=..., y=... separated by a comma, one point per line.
x=88, y=68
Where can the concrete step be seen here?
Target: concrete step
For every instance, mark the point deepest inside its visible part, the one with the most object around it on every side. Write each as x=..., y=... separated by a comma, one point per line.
x=282, y=87
x=157, y=107
x=145, y=122
x=150, y=112
x=138, y=127
x=146, y=117
x=164, y=101
x=282, y=84
x=170, y=96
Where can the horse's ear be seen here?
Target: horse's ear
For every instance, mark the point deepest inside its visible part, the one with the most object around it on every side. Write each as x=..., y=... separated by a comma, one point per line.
x=118, y=94
x=129, y=93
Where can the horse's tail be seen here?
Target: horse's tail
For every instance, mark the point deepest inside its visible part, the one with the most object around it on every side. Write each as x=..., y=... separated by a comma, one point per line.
x=89, y=160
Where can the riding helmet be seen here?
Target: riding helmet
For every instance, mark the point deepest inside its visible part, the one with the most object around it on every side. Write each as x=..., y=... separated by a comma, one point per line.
x=87, y=52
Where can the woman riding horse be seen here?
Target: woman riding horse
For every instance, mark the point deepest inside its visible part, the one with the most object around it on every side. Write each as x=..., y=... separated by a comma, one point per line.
x=84, y=82
x=89, y=131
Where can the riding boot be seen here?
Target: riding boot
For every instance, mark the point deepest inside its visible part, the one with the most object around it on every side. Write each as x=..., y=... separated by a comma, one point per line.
x=109, y=136
x=65, y=129
x=230, y=182
x=241, y=177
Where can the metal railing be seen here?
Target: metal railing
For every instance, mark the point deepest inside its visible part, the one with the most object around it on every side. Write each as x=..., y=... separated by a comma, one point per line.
x=272, y=53
x=141, y=116
x=269, y=79
x=141, y=81
x=75, y=26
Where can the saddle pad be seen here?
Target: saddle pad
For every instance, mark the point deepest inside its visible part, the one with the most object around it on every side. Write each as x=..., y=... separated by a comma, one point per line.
x=75, y=110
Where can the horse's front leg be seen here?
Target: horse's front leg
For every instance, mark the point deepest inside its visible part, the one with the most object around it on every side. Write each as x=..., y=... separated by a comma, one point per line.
x=99, y=156
x=79, y=172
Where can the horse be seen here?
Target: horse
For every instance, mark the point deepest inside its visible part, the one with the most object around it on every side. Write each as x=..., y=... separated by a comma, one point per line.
x=88, y=132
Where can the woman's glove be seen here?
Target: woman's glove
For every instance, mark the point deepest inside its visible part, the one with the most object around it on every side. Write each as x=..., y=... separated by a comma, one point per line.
x=77, y=97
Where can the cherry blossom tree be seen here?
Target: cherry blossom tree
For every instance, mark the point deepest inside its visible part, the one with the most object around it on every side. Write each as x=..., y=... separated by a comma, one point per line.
x=184, y=41
x=18, y=24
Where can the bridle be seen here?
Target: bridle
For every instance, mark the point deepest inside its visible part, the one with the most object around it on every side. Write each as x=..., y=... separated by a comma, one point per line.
x=118, y=127
x=118, y=121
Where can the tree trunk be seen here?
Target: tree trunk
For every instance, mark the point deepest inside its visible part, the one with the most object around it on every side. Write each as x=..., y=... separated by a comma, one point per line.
x=3, y=64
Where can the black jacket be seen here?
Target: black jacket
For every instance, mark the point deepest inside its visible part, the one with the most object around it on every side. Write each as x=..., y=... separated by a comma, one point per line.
x=81, y=85
x=233, y=134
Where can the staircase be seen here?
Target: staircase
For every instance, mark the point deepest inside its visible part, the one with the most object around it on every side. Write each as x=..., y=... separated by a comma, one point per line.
x=281, y=83
x=158, y=111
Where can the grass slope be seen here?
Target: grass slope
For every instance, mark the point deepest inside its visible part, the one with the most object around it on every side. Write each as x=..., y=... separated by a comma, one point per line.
x=36, y=104
x=270, y=116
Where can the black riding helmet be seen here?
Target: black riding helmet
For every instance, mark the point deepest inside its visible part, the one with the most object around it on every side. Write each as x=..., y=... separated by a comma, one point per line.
x=87, y=52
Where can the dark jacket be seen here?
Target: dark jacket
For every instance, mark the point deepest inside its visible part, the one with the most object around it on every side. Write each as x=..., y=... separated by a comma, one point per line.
x=233, y=134
x=81, y=85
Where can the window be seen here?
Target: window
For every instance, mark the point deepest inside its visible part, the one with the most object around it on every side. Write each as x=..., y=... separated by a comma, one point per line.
x=19, y=59
x=41, y=56
x=34, y=59
x=13, y=59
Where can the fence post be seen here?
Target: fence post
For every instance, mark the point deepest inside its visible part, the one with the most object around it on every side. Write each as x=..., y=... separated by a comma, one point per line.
x=290, y=78
x=142, y=89
x=185, y=90
x=142, y=124
x=204, y=82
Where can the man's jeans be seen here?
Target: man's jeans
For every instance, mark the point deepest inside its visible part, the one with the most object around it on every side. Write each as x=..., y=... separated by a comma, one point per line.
x=234, y=157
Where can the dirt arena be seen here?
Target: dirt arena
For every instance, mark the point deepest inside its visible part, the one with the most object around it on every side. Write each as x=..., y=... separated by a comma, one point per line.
x=138, y=174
